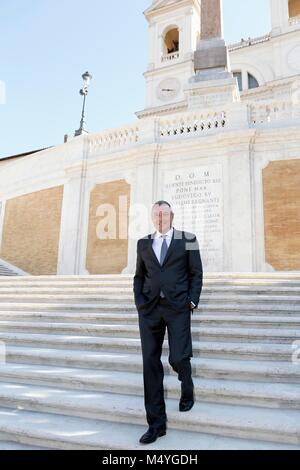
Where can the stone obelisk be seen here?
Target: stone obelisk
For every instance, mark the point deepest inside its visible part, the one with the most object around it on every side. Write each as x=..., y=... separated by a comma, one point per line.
x=211, y=57
x=213, y=83
x=211, y=19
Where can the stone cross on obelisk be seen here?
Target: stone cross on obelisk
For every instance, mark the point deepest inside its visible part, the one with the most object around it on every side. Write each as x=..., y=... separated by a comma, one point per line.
x=212, y=52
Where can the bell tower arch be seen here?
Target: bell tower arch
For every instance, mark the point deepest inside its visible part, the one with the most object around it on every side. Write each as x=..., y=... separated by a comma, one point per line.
x=174, y=29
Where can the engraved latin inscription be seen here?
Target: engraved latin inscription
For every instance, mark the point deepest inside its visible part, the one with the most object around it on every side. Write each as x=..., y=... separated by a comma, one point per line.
x=196, y=195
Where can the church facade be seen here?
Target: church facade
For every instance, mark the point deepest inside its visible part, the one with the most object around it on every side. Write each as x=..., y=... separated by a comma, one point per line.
x=224, y=150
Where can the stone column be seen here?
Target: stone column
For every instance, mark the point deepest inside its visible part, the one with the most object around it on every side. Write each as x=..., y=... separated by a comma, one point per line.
x=68, y=243
x=74, y=209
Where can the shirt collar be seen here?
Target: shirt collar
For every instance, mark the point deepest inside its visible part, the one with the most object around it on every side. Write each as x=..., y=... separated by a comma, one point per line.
x=168, y=234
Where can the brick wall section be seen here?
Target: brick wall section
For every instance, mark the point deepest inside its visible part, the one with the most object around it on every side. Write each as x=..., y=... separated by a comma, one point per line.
x=281, y=184
x=294, y=8
x=31, y=230
x=107, y=256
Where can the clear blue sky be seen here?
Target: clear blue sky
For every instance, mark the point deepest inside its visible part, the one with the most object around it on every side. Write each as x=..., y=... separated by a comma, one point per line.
x=46, y=45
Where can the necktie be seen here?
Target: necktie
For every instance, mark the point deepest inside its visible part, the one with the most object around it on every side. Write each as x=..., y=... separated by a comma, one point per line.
x=164, y=249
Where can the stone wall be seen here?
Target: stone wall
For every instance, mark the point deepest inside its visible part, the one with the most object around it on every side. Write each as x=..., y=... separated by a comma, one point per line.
x=31, y=229
x=109, y=255
x=281, y=184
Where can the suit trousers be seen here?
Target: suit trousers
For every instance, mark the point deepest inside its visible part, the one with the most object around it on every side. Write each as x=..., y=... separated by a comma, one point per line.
x=152, y=331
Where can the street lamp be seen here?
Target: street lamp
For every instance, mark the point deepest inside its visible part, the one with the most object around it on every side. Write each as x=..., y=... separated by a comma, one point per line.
x=87, y=77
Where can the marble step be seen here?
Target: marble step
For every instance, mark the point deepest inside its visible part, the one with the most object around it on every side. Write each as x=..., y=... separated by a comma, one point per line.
x=127, y=290
x=269, y=395
x=132, y=318
x=127, y=282
x=10, y=445
x=233, y=350
x=5, y=271
x=224, y=276
x=274, y=425
x=231, y=368
x=223, y=334
x=291, y=300
x=32, y=428
x=104, y=307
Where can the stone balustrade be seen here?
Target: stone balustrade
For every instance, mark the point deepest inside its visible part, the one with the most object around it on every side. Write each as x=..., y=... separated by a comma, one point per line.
x=170, y=57
x=192, y=124
x=268, y=113
x=248, y=42
x=114, y=139
x=294, y=20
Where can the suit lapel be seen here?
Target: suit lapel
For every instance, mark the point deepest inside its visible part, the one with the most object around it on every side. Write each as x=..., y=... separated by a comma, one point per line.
x=150, y=247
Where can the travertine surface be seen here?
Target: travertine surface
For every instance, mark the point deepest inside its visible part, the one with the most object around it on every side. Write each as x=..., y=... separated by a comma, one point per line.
x=211, y=19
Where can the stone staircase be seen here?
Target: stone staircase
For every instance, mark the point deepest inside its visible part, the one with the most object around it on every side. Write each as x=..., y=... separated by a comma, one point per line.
x=6, y=271
x=73, y=372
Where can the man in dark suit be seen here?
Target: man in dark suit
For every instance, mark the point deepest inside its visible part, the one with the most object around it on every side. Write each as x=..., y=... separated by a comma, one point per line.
x=167, y=288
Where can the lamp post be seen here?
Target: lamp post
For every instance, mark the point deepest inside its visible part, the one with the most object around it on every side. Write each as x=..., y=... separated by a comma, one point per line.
x=87, y=77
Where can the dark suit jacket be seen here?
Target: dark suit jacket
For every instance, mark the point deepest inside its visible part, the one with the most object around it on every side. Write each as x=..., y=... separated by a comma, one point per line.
x=180, y=277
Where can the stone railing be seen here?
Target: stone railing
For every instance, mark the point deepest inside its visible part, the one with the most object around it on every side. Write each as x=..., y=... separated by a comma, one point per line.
x=195, y=124
x=170, y=57
x=249, y=42
x=114, y=139
x=192, y=124
x=268, y=113
x=294, y=20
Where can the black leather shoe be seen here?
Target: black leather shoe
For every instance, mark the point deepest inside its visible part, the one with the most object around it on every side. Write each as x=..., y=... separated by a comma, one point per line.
x=186, y=405
x=187, y=400
x=152, y=434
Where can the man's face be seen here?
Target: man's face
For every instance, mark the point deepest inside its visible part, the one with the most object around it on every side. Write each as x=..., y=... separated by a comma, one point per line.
x=162, y=218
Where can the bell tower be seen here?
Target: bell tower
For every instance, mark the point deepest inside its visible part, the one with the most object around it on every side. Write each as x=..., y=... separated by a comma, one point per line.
x=174, y=33
x=285, y=15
